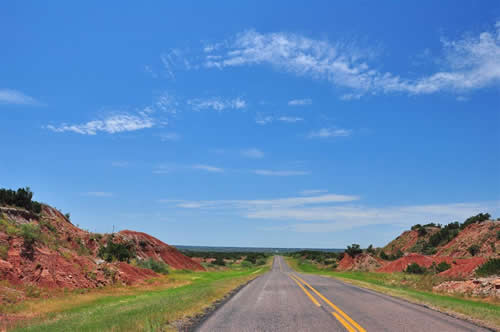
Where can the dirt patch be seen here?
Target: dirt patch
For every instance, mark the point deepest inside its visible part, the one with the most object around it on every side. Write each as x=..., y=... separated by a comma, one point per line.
x=362, y=262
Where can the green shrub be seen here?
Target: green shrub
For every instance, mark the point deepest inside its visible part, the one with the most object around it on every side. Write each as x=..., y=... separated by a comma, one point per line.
x=48, y=225
x=443, y=266
x=33, y=291
x=498, y=235
x=4, y=250
x=117, y=251
x=260, y=261
x=157, y=266
x=219, y=261
x=491, y=267
x=370, y=249
x=246, y=264
x=415, y=269
x=474, y=249
x=474, y=219
x=353, y=250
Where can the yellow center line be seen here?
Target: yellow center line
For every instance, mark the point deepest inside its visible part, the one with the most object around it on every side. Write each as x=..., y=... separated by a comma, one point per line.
x=343, y=314
x=343, y=322
x=307, y=293
x=279, y=261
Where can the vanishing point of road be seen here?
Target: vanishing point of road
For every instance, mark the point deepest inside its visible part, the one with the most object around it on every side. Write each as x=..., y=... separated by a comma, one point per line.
x=283, y=300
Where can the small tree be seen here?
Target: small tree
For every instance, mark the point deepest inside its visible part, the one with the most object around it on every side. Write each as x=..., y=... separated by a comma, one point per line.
x=219, y=261
x=353, y=250
x=491, y=267
x=443, y=266
x=415, y=269
x=474, y=249
x=370, y=249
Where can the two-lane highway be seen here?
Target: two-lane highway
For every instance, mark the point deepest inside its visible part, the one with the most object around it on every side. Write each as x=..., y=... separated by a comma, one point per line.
x=283, y=300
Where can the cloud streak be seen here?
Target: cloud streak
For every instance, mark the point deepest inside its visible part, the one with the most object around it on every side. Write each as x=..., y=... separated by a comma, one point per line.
x=112, y=124
x=217, y=104
x=208, y=168
x=469, y=63
x=266, y=172
x=300, y=102
x=9, y=96
x=329, y=132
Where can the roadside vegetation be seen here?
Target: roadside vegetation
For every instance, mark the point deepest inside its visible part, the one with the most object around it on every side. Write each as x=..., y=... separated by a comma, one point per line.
x=162, y=304
x=414, y=285
x=216, y=259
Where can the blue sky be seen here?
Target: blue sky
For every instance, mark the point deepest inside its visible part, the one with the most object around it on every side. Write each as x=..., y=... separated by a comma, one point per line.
x=254, y=124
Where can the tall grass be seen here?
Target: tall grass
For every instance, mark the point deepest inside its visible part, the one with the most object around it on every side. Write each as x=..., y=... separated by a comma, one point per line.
x=155, y=309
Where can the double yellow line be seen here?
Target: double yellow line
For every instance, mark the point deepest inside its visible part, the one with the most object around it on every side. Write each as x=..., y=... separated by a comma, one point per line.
x=341, y=316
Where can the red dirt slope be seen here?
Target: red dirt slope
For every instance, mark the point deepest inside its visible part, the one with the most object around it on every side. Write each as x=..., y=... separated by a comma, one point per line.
x=482, y=234
x=148, y=246
x=459, y=267
x=362, y=262
x=64, y=255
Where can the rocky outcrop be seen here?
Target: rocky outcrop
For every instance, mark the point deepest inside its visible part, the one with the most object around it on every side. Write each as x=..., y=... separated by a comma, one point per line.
x=482, y=287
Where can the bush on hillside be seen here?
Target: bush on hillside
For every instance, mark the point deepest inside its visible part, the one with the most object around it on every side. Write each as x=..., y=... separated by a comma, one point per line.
x=219, y=261
x=415, y=269
x=370, y=250
x=116, y=251
x=157, y=266
x=474, y=249
x=443, y=266
x=30, y=234
x=491, y=267
x=353, y=250
x=391, y=257
x=475, y=219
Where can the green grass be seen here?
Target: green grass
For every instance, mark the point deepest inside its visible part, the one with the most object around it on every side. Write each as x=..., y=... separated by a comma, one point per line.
x=414, y=288
x=149, y=310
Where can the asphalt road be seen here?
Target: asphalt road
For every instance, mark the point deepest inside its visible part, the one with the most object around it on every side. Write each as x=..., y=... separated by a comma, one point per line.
x=283, y=300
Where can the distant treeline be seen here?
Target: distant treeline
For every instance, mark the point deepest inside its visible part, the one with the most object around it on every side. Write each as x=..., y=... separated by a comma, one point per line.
x=20, y=198
x=249, y=249
x=224, y=255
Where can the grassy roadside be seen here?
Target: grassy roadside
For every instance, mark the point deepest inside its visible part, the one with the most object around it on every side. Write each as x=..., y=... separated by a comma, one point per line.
x=407, y=287
x=159, y=306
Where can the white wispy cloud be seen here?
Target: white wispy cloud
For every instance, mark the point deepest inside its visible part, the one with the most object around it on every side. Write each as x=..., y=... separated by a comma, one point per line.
x=334, y=218
x=9, y=96
x=217, y=103
x=111, y=124
x=290, y=119
x=252, y=153
x=311, y=192
x=332, y=212
x=170, y=137
x=98, y=194
x=208, y=168
x=300, y=102
x=174, y=60
x=289, y=202
x=263, y=120
x=267, y=172
x=329, y=132
x=469, y=63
